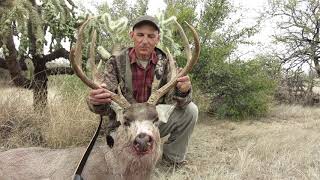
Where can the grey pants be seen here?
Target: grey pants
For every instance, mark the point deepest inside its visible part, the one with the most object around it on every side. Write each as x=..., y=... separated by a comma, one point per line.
x=180, y=127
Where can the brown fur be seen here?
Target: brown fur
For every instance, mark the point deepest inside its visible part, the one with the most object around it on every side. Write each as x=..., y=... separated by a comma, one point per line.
x=119, y=163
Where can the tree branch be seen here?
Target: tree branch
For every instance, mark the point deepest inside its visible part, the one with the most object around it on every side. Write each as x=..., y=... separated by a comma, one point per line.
x=23, y=66
x=59, y=53
x=72, y=3
x=13, y=65
x=32, y=38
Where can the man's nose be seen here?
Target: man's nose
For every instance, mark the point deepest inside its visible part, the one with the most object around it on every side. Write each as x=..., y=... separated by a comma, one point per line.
x=144, y=39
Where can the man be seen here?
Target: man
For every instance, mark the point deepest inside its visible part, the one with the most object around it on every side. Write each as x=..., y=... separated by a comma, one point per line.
x=137, y=70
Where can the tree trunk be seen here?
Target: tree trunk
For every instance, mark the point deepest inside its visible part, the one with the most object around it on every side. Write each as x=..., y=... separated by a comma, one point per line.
x=13, y=65
x=315, y=44
x=40, y=90
x=39, y=83
x=317, y=66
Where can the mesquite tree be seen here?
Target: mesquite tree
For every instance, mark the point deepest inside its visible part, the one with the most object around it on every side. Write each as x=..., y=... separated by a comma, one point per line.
x=299, y=32
x=30, y=22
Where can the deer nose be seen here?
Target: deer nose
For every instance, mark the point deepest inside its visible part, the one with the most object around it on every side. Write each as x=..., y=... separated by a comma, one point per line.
x=142, y=142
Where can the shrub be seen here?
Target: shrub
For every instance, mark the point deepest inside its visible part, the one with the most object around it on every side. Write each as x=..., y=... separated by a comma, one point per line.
x=238, y=89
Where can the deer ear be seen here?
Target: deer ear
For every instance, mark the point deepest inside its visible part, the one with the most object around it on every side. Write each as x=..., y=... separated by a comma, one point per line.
x=118, y=110
x=164, y=111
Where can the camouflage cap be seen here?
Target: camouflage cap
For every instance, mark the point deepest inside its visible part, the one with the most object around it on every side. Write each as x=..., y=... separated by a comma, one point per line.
x=146, y=20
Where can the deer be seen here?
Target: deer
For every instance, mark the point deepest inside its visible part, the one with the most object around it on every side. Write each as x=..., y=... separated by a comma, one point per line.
x=137, y=146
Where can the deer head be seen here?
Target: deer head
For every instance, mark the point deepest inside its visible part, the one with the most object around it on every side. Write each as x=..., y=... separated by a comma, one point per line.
x=138, y=121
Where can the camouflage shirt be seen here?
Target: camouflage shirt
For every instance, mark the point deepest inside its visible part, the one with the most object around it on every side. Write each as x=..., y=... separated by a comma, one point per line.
x=118, y=72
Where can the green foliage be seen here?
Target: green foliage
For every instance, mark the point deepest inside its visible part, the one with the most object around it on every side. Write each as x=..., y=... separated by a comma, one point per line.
x=245, y=88
x=184, y=11
x=17, y=15
x=69, y=87
x=30, y=23
x=60, y=19
x=239, y=89
x=119, y=9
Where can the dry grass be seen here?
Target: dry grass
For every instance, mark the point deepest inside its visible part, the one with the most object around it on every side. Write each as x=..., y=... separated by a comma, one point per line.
x=68, y=122
x=284, y=145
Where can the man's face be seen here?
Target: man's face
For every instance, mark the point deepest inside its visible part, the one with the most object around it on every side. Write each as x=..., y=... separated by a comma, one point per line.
x=145, y=38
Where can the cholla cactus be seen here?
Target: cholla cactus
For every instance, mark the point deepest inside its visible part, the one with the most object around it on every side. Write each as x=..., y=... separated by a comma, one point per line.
x=18, y=14
x=52, y=15
x=115, y=29
x=103, y=52
x=112, y=30
x=166, y=33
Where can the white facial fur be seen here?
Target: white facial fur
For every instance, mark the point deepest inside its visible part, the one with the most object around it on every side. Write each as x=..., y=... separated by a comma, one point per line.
x=145, y=126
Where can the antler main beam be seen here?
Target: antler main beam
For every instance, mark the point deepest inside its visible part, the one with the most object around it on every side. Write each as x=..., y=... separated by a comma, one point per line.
x=191, y=61
x=76, y=58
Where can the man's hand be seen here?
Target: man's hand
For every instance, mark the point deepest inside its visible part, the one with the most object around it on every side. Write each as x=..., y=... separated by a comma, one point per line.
x=184, y=84
x=99, y=96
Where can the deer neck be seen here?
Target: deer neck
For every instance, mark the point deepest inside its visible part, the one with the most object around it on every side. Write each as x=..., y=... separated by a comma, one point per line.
x=128, y=165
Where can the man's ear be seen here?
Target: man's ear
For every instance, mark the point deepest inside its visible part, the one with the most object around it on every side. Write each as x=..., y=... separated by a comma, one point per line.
x=131, y=34
x=158, y=38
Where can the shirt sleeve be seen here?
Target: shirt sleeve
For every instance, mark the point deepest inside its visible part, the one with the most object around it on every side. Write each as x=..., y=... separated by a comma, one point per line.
x=110, y=78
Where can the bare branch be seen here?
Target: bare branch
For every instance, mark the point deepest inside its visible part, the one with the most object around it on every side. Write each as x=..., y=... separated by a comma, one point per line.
x=72, y=3
x=59, y=53
x=13, y=65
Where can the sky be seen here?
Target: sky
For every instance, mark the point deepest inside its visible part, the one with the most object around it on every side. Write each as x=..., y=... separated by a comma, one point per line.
x=248, y=11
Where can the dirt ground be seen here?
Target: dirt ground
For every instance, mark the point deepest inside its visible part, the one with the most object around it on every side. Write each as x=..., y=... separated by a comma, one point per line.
x=284, y=145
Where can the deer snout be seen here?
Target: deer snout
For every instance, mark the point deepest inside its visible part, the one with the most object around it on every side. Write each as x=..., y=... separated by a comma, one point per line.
x=142, y=143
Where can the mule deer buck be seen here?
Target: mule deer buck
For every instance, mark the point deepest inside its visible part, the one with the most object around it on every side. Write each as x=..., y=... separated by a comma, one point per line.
x=137, y=146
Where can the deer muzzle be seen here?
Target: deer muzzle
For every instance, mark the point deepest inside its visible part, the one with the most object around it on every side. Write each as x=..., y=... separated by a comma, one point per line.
x=143, y=143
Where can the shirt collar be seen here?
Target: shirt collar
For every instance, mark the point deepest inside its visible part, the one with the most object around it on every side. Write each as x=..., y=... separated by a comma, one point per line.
x=133, y=56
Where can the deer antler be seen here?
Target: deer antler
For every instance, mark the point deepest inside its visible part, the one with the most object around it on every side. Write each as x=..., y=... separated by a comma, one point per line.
x=76, y=57
x=191, y=61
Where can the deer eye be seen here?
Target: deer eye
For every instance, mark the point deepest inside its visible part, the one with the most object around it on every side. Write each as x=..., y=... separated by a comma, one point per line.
x=156, y=120
x=126, y=123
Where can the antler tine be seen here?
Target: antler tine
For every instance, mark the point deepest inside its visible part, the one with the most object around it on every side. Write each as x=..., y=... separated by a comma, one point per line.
x=195, y=55
x=184, y=39
x=172, y=64
x=92, y=56
x=153, y=99
x=76, y=57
